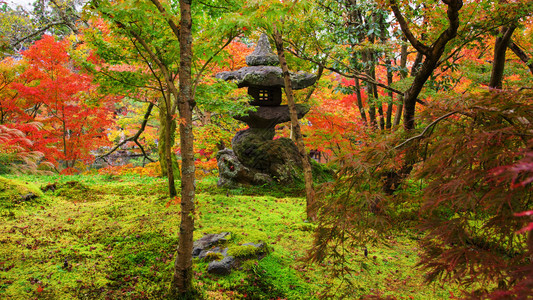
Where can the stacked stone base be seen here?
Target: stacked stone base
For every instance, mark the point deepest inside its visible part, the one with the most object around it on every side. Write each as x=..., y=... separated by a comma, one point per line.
x=258, y=159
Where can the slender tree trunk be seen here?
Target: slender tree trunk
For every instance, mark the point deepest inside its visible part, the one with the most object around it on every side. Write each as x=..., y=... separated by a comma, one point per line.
x=164, y=139
x=380, y=105
x=391, y=96
x=370, y=92
x=432, y=56
x=383, y=36
x=181, y=286
x=360, y=101
x=168, y=158
x=500, y=49
x=403, y=74
x=308, y=173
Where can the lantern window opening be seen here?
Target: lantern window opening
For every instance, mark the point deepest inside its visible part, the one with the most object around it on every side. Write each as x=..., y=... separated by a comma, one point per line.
x=264, y=95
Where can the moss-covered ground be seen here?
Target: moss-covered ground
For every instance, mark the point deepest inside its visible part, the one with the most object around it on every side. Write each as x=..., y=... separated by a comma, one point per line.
x=103, y=237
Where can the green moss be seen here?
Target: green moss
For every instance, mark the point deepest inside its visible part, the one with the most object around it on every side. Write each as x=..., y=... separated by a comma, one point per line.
x=246, y=251
x=304, y=226
x=15, y=193
x=122, y=246
x=321, y=172
x=213, y=256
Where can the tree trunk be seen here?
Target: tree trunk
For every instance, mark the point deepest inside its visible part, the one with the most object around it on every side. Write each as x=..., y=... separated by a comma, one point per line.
x=360, y=101
x=168, y=158
x=308, y=173
x=391, y=96
x=370, y=91
x=500, y=49
x=403, y=74
x=181, y=286
x=163, y=140
x=432, y=55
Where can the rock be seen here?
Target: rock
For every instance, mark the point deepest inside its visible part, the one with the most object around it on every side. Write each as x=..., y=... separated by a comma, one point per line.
x=49, y=187
x=230, y=169
x=259, y=250
x=205, y=253
x=221, y=267
x=263, y=54
x=270, y=116
x=207, y=241
x=28, y=197
x=278, y=158
x=232, y=172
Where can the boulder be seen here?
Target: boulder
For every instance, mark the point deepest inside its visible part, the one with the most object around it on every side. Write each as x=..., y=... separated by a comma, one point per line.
x=278, y=158
x=231, y=171
x=221, y=267
x=208, y=241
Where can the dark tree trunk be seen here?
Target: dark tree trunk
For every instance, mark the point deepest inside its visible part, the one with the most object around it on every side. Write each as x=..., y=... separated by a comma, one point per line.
x=432, y=55
x=165, y=139
x=360, y=101
x=168, y=158
x=500, y=49
x=389, y=103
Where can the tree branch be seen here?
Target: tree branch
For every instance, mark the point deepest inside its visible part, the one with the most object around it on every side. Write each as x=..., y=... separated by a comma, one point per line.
x=38, y=32
x=522, y=55
x=135, y=137
x=357, y=75
x=424, y=49
x=422, y=135
x=162, y=10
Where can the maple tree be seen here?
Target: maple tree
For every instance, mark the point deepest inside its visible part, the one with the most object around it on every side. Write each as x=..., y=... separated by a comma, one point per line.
x=73, y=115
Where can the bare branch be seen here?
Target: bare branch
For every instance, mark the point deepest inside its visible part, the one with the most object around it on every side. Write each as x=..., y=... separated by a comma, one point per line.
x=135, y=137
x=50, y=25
x=422, y=135
x=163, y=11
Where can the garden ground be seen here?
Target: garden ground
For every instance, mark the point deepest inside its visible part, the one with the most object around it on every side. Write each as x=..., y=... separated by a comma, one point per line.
x=114, y=237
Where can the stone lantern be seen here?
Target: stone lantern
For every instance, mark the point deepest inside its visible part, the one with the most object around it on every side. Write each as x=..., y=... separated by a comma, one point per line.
x=256, y=158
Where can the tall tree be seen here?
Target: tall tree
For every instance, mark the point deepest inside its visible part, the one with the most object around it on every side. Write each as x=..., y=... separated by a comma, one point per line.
x=182, y=280
x=295, y=124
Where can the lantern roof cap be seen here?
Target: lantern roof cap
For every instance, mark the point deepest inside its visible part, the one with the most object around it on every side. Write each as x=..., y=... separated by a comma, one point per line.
x=263, y=54
x=263, y=72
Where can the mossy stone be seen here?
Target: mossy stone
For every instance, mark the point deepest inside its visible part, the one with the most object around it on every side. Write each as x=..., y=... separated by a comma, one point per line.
x=14, y=192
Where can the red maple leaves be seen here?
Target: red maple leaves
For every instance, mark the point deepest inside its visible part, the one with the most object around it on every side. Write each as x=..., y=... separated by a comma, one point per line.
x=53, y=92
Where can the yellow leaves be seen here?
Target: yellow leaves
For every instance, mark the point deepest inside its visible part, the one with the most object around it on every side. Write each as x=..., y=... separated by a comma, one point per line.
x=151, y=170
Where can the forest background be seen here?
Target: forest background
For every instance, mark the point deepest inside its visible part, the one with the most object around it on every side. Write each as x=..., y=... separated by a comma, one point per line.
x=423, y=109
